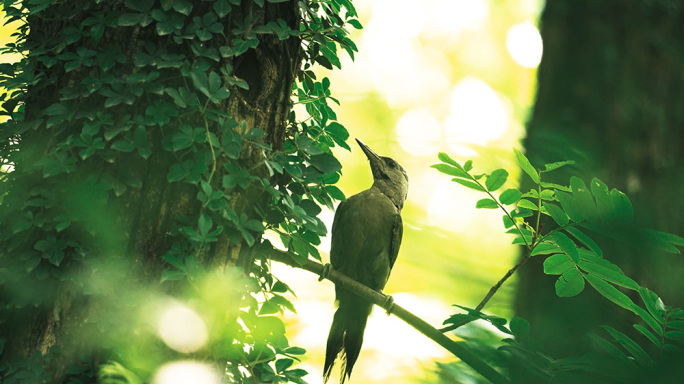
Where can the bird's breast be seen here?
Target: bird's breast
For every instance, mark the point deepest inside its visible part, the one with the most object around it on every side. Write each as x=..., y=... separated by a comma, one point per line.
x=362, y=237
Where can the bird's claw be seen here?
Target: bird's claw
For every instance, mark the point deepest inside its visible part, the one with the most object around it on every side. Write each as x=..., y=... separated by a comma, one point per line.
x=325, y=272
x=388, y=304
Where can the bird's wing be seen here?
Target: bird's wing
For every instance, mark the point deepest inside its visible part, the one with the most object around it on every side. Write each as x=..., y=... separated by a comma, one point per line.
x=397, y=233
x=336, y=258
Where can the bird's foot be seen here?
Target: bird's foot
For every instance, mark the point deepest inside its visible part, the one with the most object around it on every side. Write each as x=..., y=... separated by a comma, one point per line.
x=388, y=304
x=325, y=272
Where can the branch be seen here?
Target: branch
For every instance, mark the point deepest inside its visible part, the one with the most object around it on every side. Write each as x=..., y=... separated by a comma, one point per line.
x=381, y=300
x=489, y=295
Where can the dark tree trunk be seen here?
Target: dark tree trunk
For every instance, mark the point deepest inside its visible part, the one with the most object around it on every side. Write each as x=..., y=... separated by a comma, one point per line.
x=610, y=96
x=135, y=226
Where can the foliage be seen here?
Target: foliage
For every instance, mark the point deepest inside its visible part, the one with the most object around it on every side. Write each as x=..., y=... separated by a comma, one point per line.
x=570, y=252
x=116, y=114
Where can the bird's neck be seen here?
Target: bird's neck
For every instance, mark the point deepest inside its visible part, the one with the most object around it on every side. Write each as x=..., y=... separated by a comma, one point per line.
x=396, y=196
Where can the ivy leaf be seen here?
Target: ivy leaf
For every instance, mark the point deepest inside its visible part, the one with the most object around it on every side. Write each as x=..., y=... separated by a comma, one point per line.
x=325, y=162
x=204, y=223
x=222, y=8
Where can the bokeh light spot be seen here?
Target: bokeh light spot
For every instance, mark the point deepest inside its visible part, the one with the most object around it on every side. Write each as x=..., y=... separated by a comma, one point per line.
x=477, y=115
x=184, y=372
x=182, y=329
x=524, y=44
x=419, y=132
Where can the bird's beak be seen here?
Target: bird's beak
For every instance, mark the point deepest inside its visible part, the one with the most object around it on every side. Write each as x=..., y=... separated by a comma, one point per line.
x=372, y=156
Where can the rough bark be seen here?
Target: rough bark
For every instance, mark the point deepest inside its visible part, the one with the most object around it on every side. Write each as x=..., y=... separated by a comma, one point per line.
x=137, y=224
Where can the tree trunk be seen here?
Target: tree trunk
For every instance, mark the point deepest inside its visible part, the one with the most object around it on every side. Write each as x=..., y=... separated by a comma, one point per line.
x=117, y=205
x=610, y=97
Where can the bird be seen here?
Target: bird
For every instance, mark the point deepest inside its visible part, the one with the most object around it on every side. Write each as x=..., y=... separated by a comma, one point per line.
x=366, y=235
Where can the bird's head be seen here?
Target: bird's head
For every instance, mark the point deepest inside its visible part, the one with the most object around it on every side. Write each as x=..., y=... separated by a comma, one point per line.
x=388, y=176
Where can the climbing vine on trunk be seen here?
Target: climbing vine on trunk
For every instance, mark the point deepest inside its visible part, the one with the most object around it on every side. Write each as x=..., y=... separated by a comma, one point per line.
x=147, y=147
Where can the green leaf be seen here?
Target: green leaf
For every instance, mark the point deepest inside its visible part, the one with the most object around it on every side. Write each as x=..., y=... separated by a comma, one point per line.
x=653, y=304
x=555, y=186
x=339, y=134
x=204, y=224
x=548, y=194
x=294, y=351
x=487, y=204
x=255, y=134
x=570, y=206
x=557, y=214
x=130, y=19
x=524, y=203
x=451, y=171
x=601, y=194
x=526, y=166
x=622, y=207
x=325, y=162
x=283, y=302
x=201, y=82
x=139, y=5
x=443, y=157
x=172, y=275
x=675, y=335
x=662, y=241
x=268, y=308
x=545, y=248
x=570, y=283
x=182, y=6
x=214, y=82
x=611, y=293
x=520, y=327
x=582, y=196
x=469, y=184
x=606, y=270
x=222, y=8
x=584, y=239
x=553, y=166
x=558, y=264
x=568, y=246
x=649, y=335
x=496, y=179
x=630, y=345
x=510, y=196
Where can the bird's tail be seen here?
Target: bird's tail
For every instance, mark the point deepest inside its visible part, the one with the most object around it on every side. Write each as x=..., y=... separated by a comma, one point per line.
x=346, y=336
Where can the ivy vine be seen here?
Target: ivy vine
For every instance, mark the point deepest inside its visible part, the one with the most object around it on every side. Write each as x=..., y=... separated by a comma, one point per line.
x=108, y=92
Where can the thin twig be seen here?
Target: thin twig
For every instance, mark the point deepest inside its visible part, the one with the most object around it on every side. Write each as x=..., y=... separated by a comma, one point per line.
x=490, y=294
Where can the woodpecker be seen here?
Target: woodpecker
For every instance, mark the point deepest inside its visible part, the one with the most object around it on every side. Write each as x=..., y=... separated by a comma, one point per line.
x=366, y=235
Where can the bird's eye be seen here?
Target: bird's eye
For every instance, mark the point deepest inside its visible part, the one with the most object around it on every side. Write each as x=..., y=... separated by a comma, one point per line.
x=391, y=163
